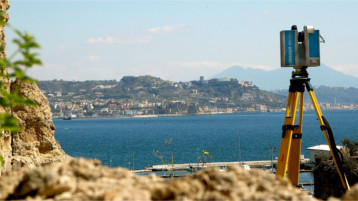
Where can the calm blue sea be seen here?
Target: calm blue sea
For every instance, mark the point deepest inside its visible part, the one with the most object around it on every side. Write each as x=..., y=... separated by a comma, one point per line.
x=116, y=141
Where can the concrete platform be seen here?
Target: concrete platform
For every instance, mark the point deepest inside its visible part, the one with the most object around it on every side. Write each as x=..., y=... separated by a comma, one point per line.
x=186, y=166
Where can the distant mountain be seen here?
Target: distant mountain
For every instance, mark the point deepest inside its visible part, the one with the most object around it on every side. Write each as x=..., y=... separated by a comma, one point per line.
x=280, y=78
x=346, y=95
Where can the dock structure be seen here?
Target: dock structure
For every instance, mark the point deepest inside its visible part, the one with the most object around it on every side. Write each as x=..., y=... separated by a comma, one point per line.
x=192, y=167
x=186, y=166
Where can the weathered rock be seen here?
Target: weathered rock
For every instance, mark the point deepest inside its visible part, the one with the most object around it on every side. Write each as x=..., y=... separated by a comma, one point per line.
x=82, y=179
x=35, y=145
x=5, y=141
x=4, y=6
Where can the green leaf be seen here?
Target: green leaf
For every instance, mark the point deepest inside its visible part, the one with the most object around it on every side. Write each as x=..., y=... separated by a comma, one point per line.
x=2, y=162
x=25, y=43
x=13, y=99
x=2, y=16
x=4, y=63
x=9, y=123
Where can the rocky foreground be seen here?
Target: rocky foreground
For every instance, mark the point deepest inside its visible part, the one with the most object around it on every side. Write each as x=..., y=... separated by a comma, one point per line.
x=83, y=179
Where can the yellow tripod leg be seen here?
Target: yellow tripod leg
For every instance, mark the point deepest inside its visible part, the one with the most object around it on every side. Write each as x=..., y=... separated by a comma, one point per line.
x=287, y=132
x=293, y=169
x=321, y=121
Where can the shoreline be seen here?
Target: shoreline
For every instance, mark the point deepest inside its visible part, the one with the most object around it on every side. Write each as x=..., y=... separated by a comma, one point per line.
x=152, y=116
x=169, y=115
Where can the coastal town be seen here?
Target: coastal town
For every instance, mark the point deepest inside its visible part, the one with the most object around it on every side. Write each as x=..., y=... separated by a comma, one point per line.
x=149, y=96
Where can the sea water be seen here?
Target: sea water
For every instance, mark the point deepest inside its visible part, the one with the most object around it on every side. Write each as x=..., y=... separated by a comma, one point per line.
x=130, y=142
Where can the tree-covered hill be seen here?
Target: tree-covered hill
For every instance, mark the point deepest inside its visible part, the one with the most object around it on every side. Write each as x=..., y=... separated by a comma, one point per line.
x=204, y=93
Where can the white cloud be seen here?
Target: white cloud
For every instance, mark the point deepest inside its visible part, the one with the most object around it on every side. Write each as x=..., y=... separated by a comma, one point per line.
x=142, y=37
x=94, y=58
x=266, y=12
x=61, y=48
x=169, y=29
x=121, y=39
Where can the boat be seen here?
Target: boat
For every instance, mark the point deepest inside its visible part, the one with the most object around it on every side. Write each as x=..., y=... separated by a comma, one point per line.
x=67, y=118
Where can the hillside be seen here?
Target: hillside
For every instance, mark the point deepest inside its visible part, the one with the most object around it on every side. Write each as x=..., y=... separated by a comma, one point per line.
x=280, y=78
x=151, y=95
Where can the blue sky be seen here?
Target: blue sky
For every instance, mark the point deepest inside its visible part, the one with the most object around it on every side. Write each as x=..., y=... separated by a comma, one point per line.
x=177, y=40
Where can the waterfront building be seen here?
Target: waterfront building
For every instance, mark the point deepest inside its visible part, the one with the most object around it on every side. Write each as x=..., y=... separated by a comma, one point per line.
x=321, y=149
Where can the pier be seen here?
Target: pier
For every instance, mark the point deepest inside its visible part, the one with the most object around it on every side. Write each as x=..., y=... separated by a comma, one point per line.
x=187, y=166
x=264, y=164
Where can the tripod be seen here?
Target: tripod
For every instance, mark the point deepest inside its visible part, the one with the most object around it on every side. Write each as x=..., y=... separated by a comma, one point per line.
x=290, y=148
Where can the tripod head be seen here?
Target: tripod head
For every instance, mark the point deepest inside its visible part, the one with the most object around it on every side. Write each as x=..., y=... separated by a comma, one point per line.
x=300, y=73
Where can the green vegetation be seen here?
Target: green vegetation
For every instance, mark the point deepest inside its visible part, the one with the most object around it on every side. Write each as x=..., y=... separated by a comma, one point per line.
x=351, y=147
x=327, y=180
x=205, y=156
x=14, y=68
x=156, y=89
x=2, y=161
x=151, y=95
x=162, y=156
